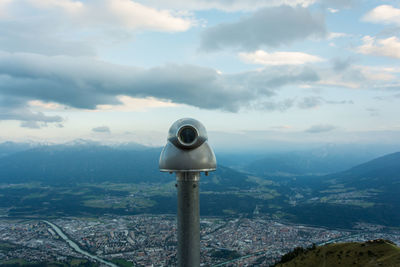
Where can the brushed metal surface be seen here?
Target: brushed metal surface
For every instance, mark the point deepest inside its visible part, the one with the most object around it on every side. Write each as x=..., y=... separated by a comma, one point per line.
x=173, y=159
x=194, y=158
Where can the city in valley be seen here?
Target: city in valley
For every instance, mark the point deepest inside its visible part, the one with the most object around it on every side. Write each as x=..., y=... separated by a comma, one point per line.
x=150, y=240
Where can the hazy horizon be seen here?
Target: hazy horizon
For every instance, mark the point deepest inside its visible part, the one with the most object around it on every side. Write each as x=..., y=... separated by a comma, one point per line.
x=235, y=145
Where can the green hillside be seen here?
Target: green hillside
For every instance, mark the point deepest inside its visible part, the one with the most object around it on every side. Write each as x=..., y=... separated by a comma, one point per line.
x=368, y=192
x=363, y=254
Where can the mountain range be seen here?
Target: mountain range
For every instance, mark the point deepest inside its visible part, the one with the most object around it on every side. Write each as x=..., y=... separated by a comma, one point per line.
x=317, y=161
x=366, y=192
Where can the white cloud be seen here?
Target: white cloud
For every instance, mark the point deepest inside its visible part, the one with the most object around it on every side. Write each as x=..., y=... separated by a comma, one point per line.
x=45, y=105
x=385, y=14
x=104, y=14
x=3, y=7
x=346, y=74
x=333, y=10
x=136, y=104
x=225, y=5
x=391, y=69
x=337, y=82
x=342, y=74
x=67, y=5
x=279, y=58
x=80, y=28
x=334, y=35
x=389, y=47
x=134, y=15
x=377, y=73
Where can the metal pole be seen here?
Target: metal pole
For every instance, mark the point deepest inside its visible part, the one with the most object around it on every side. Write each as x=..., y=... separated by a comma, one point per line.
x=188, y=219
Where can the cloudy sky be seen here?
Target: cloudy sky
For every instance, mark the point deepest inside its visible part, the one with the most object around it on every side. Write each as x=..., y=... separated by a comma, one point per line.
x=300, y=71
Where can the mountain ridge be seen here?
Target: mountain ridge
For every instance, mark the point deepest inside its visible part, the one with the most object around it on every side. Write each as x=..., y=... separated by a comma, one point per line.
x=359, y=254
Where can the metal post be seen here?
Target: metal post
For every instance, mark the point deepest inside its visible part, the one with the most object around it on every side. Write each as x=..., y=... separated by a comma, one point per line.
x=188, y=219
x=187, y=153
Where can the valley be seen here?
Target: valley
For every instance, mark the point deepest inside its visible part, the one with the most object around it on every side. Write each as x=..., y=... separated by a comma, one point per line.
x=100, y=196
x=146, y=239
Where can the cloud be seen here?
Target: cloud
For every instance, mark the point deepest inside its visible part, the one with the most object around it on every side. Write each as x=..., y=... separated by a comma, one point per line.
x=35, y=41
x=341, y=102
x=28, y=116
x=338, y=3
x=344, y=73
x=267, y=27
x=378, y=73
x=276, y=106
x=136, y=16
x=385, y=14
x=67, y=5
x=28, y=119
x=279, y=58
x=389, y=47
x=121, y=13
x=330, y=80
x=30, y=124
x=310, y=102
x=373, y=112
x=242, y=5
x=134, y=104
x=305, y=103
x=225, y=5
x=87, y=82
x=17, y=108
x=320, y=128
x=332, y=10
x=101, y=129
x=316, y=101
x=76, y=28
x=3, y=7
x=334, y=35
x=340, y=64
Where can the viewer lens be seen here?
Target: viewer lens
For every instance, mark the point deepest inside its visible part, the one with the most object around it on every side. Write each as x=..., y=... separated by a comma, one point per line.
x=187, y=135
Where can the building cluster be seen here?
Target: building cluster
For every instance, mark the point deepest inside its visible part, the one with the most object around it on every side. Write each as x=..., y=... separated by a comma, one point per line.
x=150, y=240
x=33, y=241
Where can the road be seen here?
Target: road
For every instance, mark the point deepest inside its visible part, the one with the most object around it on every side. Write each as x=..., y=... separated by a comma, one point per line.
x=76, y=247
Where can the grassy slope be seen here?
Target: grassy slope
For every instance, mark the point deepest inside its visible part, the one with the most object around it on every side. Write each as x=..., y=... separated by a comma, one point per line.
x=367, y=254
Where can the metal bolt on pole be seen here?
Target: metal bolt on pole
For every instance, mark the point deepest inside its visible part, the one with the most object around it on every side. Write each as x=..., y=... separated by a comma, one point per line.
x=187, y=153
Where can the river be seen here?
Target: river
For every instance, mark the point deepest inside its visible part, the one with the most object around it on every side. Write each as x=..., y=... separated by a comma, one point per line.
x=76, y=247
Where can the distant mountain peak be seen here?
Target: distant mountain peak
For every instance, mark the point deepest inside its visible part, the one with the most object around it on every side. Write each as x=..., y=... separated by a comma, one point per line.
x=82, y=142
